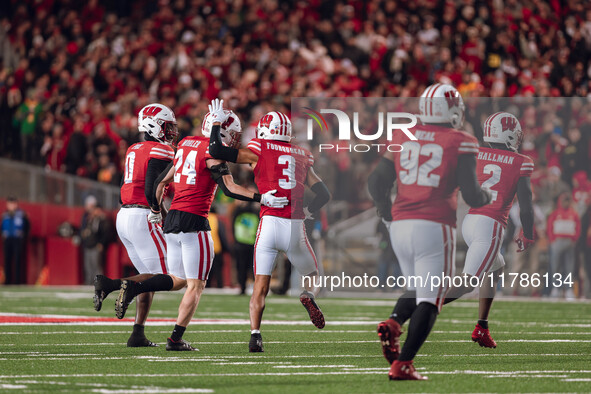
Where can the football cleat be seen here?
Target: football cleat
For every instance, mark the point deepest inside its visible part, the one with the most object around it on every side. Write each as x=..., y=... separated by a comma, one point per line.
x=181, y=345
x=316, y=316
x=256, y=343
x=140, y=341
x=389, y=332
x=482, y=336
x=125, y=297
x=404, y=370
x=99, y=293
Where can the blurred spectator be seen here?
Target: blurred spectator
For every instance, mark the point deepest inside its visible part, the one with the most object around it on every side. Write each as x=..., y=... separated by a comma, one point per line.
x=26, y=118
x=245, y=222
x=15, y=229
x=585, y=246
x=96, y=232
x=564, y=228
x=220, y=246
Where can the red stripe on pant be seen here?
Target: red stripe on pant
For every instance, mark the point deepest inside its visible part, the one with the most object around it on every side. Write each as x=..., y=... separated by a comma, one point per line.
x=254, y=270
x=309, y=246
x=200, y=264
x=208, y=255
x=152, y=229
x=440, y=297
x=491, y=249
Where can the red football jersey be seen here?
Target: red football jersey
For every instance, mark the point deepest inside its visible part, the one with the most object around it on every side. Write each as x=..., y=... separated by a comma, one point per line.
x=426, y=173
x=499, y=170
x=136, y=166
x=283, y=167
x=194, y=188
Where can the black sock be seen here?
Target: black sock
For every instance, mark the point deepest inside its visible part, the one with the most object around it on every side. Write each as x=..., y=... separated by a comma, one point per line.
x=406, y=305
x=158, y=282
x=420, y=326
x=110, y=285
x=483, y=324
x=177, y=333
x=448, y=300
x=138, y=330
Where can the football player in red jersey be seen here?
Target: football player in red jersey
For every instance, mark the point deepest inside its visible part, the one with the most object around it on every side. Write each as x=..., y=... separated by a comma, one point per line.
x=279, y=165
x=422, y=219
x=186, y=228
x=143, y=240
x=506, y=173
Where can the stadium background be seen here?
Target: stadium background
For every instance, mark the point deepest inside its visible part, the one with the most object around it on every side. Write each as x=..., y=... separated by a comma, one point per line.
x=74, y=74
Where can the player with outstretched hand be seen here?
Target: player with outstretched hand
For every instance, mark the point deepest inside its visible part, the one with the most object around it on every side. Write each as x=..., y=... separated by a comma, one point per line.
x=196, y=176
x=422, y=219
x=278, y=165
x=506, y=173
x=143, y=240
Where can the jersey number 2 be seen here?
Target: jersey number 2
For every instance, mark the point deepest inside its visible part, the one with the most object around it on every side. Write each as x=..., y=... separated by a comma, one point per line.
x=495, y=177
x=409, y=161
x=289, y=172
x=186, y=167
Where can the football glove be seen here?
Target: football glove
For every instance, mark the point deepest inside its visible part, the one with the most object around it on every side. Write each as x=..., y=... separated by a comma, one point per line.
x=523, y=243
x=309, y=215
x=155, y=217
x=216, y=109
x=269, y=200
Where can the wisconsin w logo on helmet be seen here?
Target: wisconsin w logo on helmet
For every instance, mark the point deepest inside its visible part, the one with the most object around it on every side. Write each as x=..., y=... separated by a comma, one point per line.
x=508, y=123
x=150, y=111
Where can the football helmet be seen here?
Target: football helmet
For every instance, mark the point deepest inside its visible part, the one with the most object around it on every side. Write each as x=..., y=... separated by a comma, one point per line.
x=159, y=122
x=442, y=103
x=274, y=126
x=230, y=130
x=503, y=128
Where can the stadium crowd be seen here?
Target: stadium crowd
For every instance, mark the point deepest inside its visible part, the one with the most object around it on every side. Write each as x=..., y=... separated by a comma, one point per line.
x=73, y=75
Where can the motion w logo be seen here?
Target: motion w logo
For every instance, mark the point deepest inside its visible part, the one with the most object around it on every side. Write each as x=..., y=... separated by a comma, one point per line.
x=452, y=99
x=508, y=123
x=150, y=111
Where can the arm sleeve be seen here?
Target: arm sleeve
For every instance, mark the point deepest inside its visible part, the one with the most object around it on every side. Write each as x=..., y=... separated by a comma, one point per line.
x=379, y=184
x=526, y=209
x=321, y=198
x=218, y=150
x=217, y=173
x=155, y=168
x=466, y=175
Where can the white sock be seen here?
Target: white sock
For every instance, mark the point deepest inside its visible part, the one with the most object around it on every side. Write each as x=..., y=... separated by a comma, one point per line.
x=255, y=331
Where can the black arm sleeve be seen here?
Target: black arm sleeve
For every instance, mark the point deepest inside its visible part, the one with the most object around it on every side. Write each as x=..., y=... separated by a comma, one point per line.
x=217, y=173
x=379, y=184
x=321, y=198
x=471, y=190
x=217, y=149
x=156, y=167
x=526, y=209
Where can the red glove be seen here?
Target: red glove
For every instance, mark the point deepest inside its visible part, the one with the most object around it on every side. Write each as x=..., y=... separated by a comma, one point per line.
x=523, y=243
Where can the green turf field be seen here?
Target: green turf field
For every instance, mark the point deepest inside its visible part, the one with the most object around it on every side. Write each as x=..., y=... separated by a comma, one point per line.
x=543, y=347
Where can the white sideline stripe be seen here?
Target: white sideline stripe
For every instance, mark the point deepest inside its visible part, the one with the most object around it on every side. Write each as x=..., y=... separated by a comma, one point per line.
x=153, y=390
x=219, y=322
x=193, y=342
x=576, y=380
x=348, y=372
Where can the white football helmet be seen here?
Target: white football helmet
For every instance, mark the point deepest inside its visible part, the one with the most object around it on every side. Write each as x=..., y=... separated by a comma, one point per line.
x=159, y=122
x=230, y=131
x=503, y=128
x=442, y=103
x=274, y=126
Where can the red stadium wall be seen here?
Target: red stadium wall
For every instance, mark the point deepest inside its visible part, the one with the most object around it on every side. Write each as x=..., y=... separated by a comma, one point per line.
x=61, y=257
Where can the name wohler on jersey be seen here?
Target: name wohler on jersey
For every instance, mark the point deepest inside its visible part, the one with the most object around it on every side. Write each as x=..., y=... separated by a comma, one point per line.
x=506, y=159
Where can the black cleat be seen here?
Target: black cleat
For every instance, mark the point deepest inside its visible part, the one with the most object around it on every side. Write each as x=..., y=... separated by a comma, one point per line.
x=140, y=341
x=99, y=293
x=256, y=343
x=181, y=345
x=316, y=316
x=126, y=296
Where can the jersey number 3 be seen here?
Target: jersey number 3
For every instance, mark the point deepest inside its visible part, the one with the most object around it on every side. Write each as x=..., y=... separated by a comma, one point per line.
x=288, y=172
x=411, y=172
